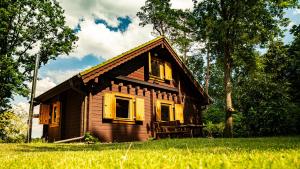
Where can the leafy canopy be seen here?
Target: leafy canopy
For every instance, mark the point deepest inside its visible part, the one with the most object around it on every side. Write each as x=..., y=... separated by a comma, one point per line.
x=29, y=28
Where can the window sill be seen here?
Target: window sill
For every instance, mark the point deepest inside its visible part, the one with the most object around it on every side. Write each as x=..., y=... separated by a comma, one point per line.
x=53, y=125
x=123, y=121
x=155, y=78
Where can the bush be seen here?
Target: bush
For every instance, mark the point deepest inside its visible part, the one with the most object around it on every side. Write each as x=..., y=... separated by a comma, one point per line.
x=214, y=130
x=12, y=127
x=89, y=138
x=214, y=115
x=239, y=128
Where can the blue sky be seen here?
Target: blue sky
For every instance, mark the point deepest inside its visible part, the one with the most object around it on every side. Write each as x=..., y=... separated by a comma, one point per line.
x=105, y=29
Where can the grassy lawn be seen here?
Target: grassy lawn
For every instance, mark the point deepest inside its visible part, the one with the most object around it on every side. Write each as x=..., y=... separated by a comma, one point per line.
x=278, y=152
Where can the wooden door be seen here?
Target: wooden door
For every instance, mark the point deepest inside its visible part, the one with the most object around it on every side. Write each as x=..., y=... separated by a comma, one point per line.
x=55, y=124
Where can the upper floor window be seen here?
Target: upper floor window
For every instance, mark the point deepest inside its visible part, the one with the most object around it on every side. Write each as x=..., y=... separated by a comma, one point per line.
x=156, y=67
x=159, y=69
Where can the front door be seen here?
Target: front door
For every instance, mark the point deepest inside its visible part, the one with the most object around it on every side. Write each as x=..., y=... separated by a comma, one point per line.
x=54, y=126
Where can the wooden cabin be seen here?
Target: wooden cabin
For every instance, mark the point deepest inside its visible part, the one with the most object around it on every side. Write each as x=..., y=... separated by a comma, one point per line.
x=120, y=99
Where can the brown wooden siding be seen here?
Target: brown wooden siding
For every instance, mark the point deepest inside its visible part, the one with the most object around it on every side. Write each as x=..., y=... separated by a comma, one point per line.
x=71, y=114
x=137, y=68
x=108, y=131
x=54, y=133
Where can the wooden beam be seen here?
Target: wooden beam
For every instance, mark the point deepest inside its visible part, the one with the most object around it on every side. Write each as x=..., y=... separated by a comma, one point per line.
x=147, y=84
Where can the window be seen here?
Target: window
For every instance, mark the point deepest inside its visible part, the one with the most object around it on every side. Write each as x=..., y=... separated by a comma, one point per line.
x=155, y=67
x=55, y=113
x=159, y=69
x=165, y=112
x=122, y=108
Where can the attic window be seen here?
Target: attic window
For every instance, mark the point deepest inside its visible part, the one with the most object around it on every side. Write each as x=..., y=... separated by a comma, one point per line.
x=155, y=67
x=159, y=69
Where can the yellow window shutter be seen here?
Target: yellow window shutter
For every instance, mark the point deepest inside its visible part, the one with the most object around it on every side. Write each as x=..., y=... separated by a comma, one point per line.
x=171, y=113
x=140, y=109
x=162, y=71
x=158, y=111
x=168, y=71
x=109, y=106
x=149, y=62
x=44, y=113
x=131, y=109
x=179, y=112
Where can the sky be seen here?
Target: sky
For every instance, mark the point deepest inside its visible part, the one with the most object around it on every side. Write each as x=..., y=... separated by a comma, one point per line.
x=105, y=29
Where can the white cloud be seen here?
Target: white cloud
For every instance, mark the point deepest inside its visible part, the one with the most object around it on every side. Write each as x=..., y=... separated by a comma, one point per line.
x=290, y=25
x=182, y=4
x=44, y=85
x=99, y=40
x=296, y=12
x=58, y=76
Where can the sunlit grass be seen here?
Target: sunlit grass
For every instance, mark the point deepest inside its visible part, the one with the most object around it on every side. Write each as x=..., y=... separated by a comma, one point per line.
x=279, y=152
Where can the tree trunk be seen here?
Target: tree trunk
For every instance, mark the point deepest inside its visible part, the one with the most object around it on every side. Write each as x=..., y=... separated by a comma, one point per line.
x=228, y=90
x=207, y=71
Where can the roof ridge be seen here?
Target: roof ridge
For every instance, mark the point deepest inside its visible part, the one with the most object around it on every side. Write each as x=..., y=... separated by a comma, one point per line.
x=119, y=56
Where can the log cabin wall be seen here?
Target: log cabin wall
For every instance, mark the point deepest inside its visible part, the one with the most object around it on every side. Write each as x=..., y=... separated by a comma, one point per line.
x=71, y=114
x=70, y=117
x=137, y=68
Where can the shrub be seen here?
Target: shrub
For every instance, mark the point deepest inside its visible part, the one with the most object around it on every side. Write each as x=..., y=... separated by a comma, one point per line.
x=89, y=138
x=214, y=130
x=12, y=127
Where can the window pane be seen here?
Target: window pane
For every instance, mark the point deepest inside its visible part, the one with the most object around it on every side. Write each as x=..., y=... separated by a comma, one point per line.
x=165, y=112
x=155, y=68
x=122, y=108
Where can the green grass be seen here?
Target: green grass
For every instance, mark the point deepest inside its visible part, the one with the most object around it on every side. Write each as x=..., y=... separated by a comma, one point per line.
x=278, y=152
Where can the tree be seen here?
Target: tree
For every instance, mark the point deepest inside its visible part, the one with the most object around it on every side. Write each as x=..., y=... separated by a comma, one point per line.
x=294, y=68
x=12, y=126
x=29, y=28
x=264, y=94
x=158, y=13
x=235, y=26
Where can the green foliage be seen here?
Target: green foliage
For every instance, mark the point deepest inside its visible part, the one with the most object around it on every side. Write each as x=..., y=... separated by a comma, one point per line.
x=213, y=114
x=158, y=13
x=12, y=127
x=213, y=129
x=174, y=24
x=293, y=72
x=263, y=95
x=233, y=29
x=89, y=138
x=29, y=28
x=195, y=64
x=256, y=153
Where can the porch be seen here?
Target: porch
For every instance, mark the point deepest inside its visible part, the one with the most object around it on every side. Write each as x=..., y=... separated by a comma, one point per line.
x=174, y=129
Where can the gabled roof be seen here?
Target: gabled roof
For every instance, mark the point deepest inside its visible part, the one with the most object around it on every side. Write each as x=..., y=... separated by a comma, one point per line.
x=99, y=69
x=119, y=56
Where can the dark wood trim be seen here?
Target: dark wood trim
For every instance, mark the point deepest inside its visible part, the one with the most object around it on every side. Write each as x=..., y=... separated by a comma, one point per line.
x=140, y=82
x=53, y=92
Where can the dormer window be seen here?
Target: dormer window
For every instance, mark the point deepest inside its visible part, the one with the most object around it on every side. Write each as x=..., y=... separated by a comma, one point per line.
x=159, y=69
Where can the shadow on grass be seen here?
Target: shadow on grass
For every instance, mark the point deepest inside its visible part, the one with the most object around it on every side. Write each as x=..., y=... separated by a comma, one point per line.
x=193, y=144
